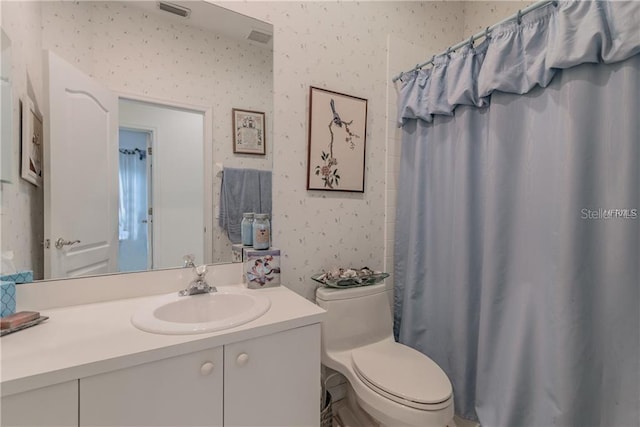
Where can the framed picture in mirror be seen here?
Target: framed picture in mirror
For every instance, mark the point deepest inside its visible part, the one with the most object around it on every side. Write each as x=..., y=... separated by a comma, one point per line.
x=248, y=132
x=6, y=107
x=31, y=142
x=337, y=131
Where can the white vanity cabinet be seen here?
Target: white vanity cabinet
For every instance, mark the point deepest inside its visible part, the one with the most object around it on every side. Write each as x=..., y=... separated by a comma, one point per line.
x=55, y=405
x=180, y=391
x=267, y=381
x=274, y=380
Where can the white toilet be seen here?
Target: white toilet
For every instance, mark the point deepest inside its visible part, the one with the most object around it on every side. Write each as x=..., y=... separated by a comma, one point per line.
x=394, y=384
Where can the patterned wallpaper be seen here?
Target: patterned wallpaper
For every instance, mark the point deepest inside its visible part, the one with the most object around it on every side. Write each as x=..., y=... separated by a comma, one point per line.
x=342, y=47
x=21, y=200
x=479, y=15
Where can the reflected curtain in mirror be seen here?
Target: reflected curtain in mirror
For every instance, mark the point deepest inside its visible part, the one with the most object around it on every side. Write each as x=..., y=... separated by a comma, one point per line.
x=133, y=207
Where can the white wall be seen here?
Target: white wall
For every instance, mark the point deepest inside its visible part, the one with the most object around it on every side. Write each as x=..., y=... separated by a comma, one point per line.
x=177, y=179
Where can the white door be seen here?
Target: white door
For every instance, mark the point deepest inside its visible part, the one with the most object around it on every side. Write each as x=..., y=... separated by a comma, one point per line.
x=81, y=173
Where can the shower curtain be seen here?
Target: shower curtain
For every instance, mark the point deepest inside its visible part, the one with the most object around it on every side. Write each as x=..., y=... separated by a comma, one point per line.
x=133, y=205
x=517, y=246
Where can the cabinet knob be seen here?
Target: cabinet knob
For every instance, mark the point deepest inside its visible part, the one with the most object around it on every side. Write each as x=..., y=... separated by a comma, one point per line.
x=206, y=368
x=242, y=359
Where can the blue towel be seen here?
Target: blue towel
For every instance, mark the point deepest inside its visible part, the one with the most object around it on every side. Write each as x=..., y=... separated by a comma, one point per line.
x=243, y=190
x=265, y=192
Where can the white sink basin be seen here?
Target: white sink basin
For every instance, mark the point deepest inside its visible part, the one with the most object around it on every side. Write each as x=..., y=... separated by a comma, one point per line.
x=198, y=314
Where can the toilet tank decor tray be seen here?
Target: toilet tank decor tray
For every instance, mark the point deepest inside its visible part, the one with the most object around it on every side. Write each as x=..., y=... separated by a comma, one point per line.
x=349, y=278
x=261, y=268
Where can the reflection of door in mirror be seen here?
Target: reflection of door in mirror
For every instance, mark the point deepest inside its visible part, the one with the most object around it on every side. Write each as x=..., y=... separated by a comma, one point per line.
x=81, y=184
x=178, y=190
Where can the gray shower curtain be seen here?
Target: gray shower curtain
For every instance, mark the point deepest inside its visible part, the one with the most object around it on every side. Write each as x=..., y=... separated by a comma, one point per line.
x=517, y=254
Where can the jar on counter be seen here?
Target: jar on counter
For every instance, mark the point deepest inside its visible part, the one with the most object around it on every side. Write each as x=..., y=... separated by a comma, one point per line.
x=261, y=232
x=246, y=228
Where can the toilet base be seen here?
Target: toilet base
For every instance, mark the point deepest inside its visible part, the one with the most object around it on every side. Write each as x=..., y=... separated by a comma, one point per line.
x=348, y=413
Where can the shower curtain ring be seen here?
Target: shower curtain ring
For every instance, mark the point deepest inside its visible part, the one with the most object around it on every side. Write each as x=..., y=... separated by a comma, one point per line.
x=471, y=41
x=519, y=17
x=486, y=32
x=449, y=52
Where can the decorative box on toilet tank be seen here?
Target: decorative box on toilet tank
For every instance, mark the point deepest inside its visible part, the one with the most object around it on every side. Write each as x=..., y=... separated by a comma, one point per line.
x=261, y=268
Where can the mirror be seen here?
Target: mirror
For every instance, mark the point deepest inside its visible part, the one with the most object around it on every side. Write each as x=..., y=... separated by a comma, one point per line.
x=193, y=58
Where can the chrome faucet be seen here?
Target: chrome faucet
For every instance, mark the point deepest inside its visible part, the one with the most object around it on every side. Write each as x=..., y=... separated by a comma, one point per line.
x=198, y=285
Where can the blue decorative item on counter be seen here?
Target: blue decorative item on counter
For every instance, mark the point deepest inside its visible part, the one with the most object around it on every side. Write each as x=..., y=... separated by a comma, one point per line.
x=7, y=298
x=261, y=232
x=25, y=276
x=246, y=229
x=261, y=268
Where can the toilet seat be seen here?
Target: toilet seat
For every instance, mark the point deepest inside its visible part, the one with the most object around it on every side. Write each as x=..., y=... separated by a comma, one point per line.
x=403, y=375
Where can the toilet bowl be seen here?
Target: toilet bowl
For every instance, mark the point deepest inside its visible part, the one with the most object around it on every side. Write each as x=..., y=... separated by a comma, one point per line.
x=394, y=384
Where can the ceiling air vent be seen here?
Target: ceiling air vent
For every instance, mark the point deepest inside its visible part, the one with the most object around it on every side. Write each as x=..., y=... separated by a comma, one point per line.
x=174, y=8
x=260, y=37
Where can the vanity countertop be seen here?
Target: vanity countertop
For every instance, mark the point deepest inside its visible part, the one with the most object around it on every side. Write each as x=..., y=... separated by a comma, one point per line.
x=90, y=339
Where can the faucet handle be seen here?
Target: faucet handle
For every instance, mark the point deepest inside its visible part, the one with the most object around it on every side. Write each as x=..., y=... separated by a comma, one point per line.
x=189, y=260
x=201, y=270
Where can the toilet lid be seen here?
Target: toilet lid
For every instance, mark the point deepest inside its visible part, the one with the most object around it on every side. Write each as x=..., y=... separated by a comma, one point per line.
x=399, y=371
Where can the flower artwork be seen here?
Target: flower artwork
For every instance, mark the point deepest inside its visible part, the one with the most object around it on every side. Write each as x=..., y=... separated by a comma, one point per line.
x=329, y=170
x=337, y=132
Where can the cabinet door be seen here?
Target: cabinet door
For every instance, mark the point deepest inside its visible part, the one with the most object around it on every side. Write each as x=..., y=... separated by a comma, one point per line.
x=180, y=391
x=56, y=405
x=274, y=380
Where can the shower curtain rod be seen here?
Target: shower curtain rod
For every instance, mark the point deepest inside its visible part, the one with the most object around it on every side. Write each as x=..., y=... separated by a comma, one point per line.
x=481, y=34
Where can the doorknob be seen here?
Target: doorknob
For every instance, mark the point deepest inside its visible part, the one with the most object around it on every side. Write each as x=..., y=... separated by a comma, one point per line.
x=60, y=243
x=144, y=221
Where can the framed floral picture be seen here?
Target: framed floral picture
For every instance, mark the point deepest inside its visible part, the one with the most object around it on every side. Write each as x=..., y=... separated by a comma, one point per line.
x=31, y=144
x=337, y=141
x=248, y=132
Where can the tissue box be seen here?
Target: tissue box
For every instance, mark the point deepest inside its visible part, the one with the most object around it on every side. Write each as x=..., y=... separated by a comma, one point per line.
x=7, y=298
x=25, y=276
x=237, y=252
x=261, y=268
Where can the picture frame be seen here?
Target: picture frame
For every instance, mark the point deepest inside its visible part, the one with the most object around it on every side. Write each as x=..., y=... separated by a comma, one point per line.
x=337, y=141
x=31, y=140
x=6, y=110
x=249, y=136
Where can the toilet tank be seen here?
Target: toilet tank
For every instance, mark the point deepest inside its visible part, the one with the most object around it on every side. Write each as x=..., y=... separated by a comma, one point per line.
x=355, y=316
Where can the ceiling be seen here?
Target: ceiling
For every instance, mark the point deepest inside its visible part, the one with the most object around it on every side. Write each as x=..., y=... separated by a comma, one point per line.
x=211, y=17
